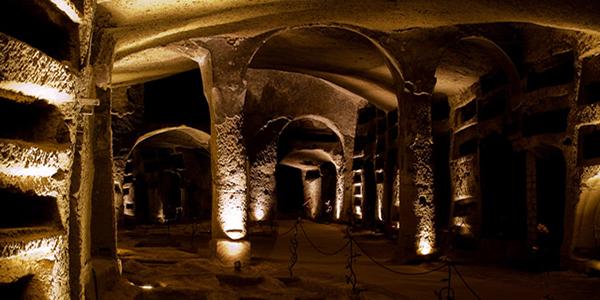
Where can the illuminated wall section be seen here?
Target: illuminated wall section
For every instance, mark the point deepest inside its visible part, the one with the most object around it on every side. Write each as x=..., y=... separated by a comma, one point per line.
x=38, y=94
x=262, y=183
x=230, y=178
x=312, y=194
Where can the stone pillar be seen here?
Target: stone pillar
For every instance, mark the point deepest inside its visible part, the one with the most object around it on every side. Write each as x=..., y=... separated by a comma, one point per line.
x=417, y=212
x=104, y=240
x=80, y=208
x=222, y=63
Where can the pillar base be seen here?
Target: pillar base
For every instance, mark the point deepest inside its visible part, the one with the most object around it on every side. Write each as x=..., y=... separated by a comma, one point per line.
x=227, y=252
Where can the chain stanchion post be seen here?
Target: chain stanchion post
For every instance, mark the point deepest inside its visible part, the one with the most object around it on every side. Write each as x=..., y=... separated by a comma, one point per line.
x=294, y=249
x=351, y=277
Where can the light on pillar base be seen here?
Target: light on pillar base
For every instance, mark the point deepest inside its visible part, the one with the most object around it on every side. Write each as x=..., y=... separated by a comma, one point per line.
x=229, y=253
x=424, y=247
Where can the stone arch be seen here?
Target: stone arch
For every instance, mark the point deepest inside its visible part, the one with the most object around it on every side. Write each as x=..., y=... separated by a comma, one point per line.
x=262, y=168
x=181, y=138
x=477, y=82
x=377, y=86
x=328, y=123
x=481, y=52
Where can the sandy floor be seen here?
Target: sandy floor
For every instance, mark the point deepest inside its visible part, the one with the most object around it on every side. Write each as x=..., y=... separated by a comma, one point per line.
x=172, y=265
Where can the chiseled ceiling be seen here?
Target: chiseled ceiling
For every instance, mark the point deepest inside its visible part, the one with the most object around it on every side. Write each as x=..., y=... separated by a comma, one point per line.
x=143, y=27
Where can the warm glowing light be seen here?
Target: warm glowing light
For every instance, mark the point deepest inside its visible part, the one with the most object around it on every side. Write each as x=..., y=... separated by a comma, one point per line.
x=312, y=194
x=52, y=95
x=424, y=247
x=233, y=249
x=144, y=286
x=463, y=227
x=232, y=215
x=259, y=214
x=235, y=234
x=69, y=10
x=379, y=207
x=339, y=196
x=229, y=252
x=358, y=211
x=42, y=171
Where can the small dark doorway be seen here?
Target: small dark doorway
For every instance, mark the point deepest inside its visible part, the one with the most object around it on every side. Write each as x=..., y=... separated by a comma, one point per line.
x=290, y=192
x=550, y=191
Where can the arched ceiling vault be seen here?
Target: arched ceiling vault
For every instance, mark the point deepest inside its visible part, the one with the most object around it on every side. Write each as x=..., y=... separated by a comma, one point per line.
x=181, y=136
x=148, y=65
x=463, y=64
x=340, y=56
x=142, y=24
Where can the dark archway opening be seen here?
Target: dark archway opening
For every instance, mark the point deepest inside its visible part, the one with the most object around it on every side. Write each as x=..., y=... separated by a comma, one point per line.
x=290, y=192
x=308, y=145
x=168, y=186
x=550, y=195
x=167, y=191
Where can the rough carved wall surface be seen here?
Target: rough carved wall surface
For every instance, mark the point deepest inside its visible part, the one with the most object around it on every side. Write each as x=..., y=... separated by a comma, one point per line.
x=20, y=63
x=230, y=177
x=262, y=186
x=464, y=172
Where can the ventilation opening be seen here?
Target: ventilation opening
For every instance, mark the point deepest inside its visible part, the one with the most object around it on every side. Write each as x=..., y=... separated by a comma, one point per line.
x=557, y=70
x=43, y=26
x=16, y=289
x=554, y=121
x=34, y=122
x=27, y=210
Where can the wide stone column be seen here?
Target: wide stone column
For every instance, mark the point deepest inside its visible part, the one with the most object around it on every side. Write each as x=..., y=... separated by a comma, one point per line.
x=222, y=63
x=417, y=211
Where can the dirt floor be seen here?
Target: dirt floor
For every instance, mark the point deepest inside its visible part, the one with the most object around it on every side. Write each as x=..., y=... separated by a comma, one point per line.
x=173, y=263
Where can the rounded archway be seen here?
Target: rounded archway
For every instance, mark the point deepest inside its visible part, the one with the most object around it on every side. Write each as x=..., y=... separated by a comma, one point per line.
x=168, y=178
x=479, y=176
x=308, y=175
x=342, y=55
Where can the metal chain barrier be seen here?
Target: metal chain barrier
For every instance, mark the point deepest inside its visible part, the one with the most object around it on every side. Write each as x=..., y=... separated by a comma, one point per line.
x=317, y=248
x=351, y=276
x=445, y=293
x=465, y=283
x=293, y=249
x=392, y=270
x=449, y=291
x=289, y=230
